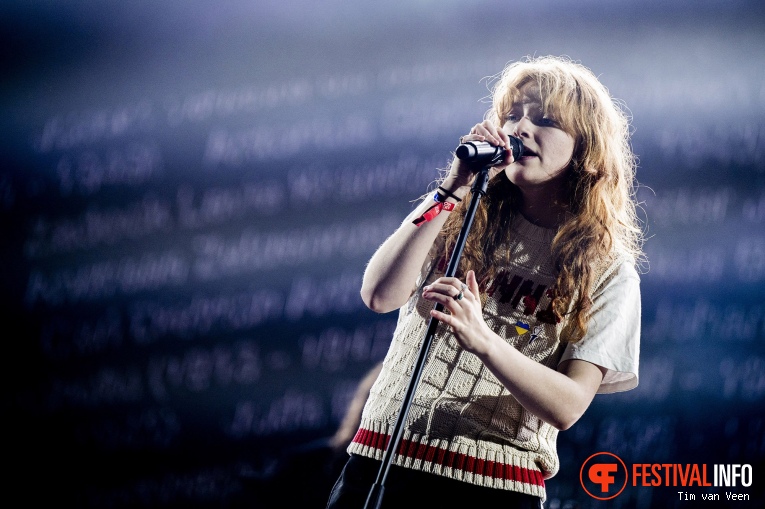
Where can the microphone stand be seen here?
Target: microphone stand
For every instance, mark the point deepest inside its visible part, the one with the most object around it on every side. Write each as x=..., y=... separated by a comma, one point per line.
x=375, y=497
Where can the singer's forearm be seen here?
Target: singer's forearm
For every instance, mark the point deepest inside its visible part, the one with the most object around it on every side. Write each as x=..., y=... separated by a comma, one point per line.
x=392, y=271
x=391, y=274
x=557, y=397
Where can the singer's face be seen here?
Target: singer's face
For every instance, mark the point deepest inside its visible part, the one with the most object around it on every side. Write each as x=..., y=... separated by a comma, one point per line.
x=547, y=147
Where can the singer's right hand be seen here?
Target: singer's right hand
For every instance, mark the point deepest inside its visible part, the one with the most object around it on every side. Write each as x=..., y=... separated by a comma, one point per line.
x=461, y=173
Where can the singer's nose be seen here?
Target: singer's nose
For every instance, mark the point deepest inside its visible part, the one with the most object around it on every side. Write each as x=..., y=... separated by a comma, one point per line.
x=521, y=129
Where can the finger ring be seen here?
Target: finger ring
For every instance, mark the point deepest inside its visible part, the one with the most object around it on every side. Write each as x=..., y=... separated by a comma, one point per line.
x=464, y=286
x=459, y=296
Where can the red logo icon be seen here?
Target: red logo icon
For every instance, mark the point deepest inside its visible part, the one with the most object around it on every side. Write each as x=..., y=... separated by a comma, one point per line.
x=603, y=475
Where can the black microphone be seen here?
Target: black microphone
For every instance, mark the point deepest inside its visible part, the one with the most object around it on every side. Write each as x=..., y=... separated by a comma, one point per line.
x=484, y=152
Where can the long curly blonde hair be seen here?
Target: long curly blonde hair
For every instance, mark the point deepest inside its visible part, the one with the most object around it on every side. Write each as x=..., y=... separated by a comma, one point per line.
x=601, y=217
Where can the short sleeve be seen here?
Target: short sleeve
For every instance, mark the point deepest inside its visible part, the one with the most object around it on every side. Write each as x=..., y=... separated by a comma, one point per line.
x=613, y=334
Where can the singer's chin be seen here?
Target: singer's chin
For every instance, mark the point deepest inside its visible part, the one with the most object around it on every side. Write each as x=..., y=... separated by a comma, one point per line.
x=527, y=176
x=520, y=174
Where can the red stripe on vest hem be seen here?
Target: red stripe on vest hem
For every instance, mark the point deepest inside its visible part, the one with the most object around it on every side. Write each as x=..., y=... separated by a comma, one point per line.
x=452, y=459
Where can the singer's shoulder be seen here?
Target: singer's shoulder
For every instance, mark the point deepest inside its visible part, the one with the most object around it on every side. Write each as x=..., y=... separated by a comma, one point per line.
x=617, y=264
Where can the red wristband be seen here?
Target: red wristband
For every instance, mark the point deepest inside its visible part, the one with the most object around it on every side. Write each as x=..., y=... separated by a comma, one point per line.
x=434, y=210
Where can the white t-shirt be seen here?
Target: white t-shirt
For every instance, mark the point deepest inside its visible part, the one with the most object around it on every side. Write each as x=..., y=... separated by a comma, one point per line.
x=613, y=335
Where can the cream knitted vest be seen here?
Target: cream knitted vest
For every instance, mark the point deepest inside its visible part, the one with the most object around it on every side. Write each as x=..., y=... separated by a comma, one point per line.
x=463, y=423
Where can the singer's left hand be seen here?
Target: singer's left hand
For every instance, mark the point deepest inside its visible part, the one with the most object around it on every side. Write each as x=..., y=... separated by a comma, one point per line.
x=465, y=314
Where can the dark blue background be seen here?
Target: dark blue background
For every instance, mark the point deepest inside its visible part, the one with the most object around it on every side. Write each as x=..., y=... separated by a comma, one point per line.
x=189, y=192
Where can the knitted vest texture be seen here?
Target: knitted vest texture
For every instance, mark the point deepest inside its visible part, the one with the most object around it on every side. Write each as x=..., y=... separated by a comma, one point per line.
x=463, y=423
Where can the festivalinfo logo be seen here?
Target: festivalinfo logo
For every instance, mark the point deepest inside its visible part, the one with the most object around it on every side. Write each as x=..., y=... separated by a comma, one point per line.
x=604, y=476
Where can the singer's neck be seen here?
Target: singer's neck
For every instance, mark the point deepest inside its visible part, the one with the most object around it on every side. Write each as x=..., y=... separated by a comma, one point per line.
x=543, y=208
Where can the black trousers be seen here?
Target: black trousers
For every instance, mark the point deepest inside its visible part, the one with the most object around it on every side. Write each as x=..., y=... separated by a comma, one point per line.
x=407, y=488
